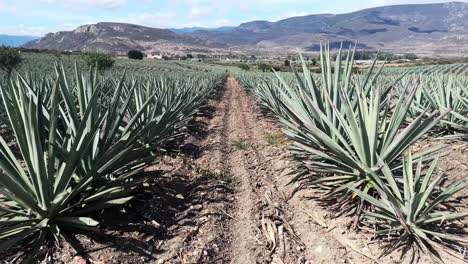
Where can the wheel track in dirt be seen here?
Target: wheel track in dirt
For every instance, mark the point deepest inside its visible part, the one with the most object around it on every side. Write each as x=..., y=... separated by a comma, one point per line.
x=242, y=229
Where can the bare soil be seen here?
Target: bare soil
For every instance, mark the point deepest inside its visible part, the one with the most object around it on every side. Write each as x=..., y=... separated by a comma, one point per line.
x=225, y=197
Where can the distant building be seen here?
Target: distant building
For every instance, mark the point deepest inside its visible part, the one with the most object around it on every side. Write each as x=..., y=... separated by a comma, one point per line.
x=154, y=55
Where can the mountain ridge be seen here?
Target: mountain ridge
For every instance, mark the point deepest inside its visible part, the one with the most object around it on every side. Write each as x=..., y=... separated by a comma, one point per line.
x=119, y=38
x=193, y=29
x=431, y=29
x=14, y=40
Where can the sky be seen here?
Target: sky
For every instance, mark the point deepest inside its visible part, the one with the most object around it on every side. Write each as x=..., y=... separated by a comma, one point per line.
x=38, y=17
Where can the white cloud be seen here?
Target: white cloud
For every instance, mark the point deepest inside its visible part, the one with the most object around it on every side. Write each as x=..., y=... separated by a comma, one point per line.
x=21, y=29
x=105, y=4
x=200, y=11
x=7, y=8
x=156, y=19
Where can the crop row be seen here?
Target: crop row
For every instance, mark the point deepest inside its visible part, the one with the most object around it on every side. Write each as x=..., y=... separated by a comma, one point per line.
x=74, y=144
x=352, y=134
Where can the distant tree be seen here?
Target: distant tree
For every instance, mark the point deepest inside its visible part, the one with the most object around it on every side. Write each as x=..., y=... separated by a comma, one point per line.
x=313, y=61
x=135, y=55
x=103, y=61
x=264, y=67
x=189, y=56
x=287, y=63
x=10, y=59
x=410, y=56
x=244, y=67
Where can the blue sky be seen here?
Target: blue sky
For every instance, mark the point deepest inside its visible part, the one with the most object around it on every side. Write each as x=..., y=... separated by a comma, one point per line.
x=38, y=17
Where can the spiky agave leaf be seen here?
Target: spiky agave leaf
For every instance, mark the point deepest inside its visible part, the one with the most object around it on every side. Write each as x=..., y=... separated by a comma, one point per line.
x=409, y=208
x=82, y=150
x=441, y=92
x=37, y=197
x=340, y=127
x=172, y=105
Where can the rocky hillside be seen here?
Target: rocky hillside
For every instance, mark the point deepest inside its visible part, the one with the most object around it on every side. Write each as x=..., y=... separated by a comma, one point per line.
x=119, y=38
x=429, y=27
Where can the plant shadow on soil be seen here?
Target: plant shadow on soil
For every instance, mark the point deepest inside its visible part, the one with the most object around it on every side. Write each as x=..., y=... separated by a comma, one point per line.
x=197, y=130
x=156, y=213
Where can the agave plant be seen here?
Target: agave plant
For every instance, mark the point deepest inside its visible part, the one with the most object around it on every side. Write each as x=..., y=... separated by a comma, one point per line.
x=82, y=144
x=44, y=191
x=174, y=104
x=119, y=151
x=409, y=209
x=443, y=91
x=341, y=127
x=266, y=91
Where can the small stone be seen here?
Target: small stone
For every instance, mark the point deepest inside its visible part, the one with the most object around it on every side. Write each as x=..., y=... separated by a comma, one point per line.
x=180, y=196
x=319, y=249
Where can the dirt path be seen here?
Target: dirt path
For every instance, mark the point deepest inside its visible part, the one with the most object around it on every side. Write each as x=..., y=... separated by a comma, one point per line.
x=259, y=232
x=265, y=224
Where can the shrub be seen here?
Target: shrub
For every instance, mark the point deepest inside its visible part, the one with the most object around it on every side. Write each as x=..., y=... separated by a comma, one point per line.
x=313, y=61
x=264, y=67
x=244, y=67
x=10, y=59
x=410, y=56
x=103, y=61
x=135, y=55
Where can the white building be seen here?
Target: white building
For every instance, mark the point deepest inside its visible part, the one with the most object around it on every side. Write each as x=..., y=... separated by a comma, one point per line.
x=154, y=55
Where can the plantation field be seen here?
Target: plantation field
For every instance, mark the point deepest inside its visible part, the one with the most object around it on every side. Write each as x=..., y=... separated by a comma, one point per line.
x=43, y=63
x=187, y=162
x=455, y=68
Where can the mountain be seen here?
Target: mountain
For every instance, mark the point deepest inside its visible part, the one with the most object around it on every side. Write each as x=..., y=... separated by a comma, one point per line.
x=15, y=41
x=426, y=29
x=120, y=38
x=421, y=28
x=193, y=29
